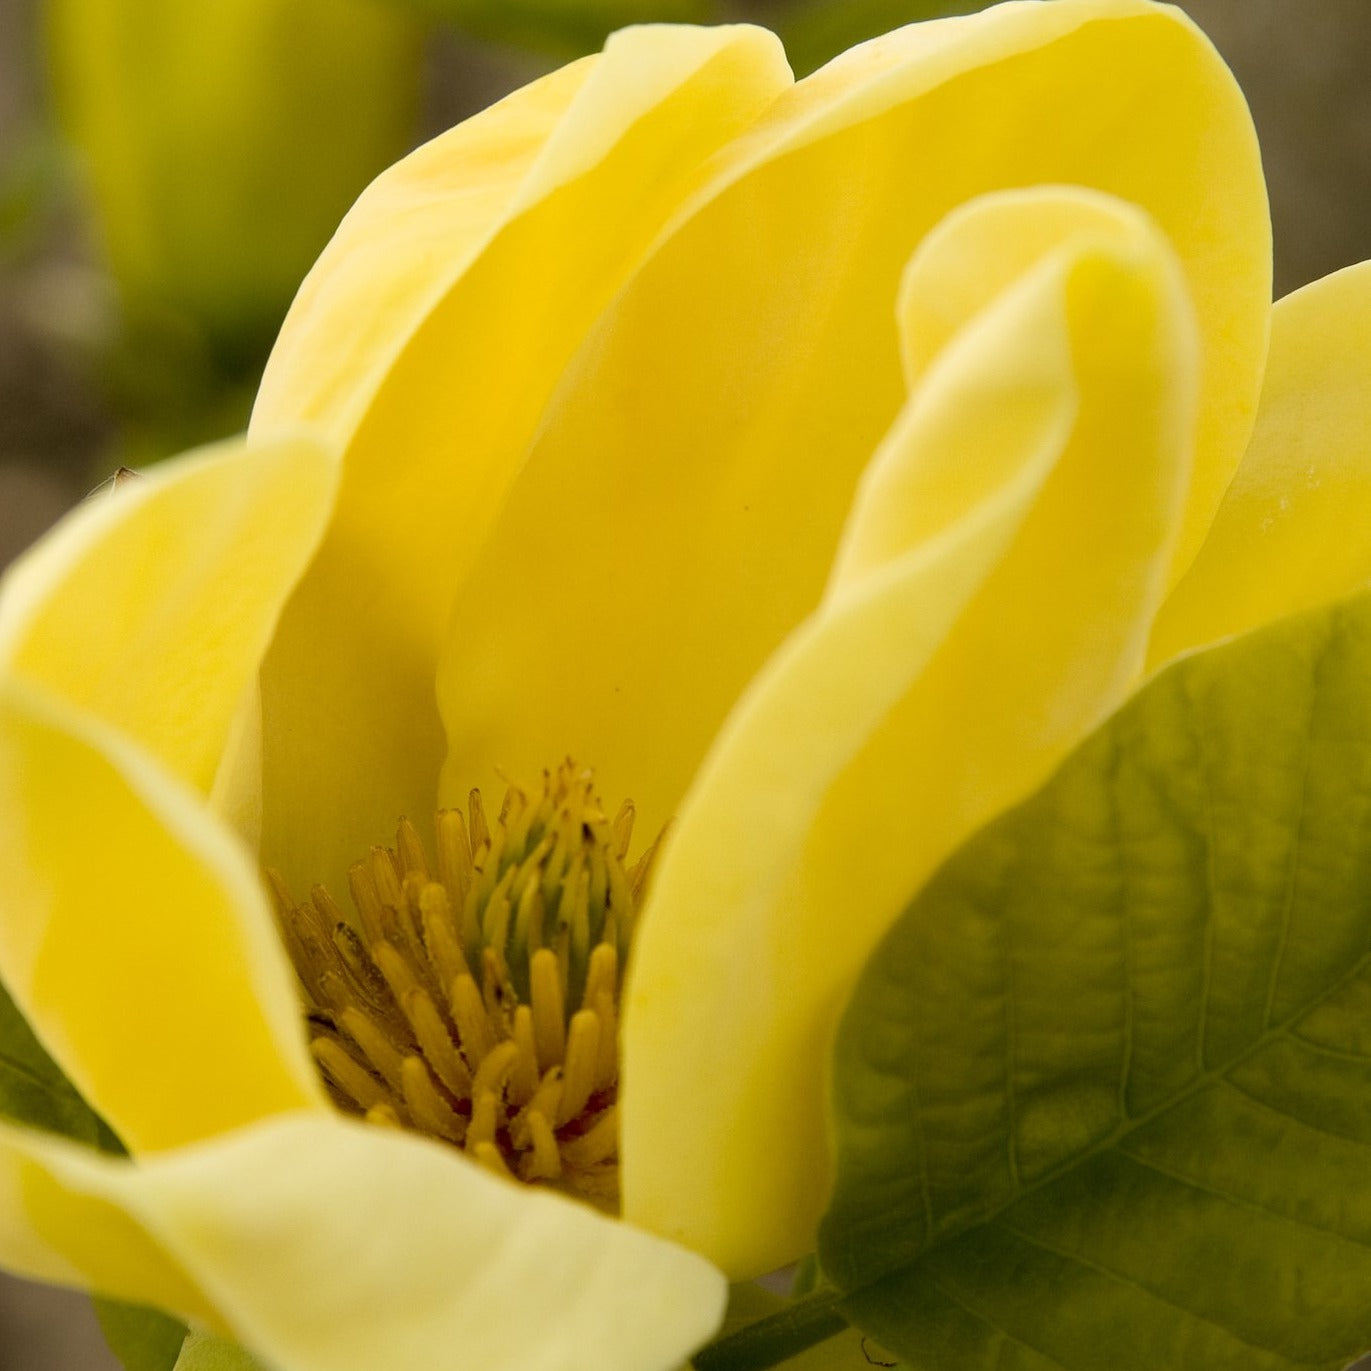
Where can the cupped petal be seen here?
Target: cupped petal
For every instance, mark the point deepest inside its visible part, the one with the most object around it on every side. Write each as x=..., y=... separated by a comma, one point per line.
x=135, y=935
x=990, y=604
x=451, y=301
x=1292, y=531
x=678, y=513
x=324, y=1245
x=151, y=607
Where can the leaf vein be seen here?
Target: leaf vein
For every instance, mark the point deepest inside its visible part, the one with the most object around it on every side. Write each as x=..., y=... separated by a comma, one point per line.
x=1291, y=1118
x=1292, y=875
x=1211, y=883
x=1122, y=1279
x=1241, y=1201
x=996, y=1327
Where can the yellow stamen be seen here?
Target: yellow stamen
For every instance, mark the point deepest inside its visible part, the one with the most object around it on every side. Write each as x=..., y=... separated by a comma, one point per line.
x=604, y=967
x=438, y=1048
x=475, y=997
x=549, y=1013
x=523, y=1075
x=385, y=1116
x=578, y=1075
x=469, y=1013
x=349, y=1076
x=494, y=1070
x=429, y=1110
x=379, y=1050
x=607, y=1063
x=440, y=934
x=411, y=850
x=484, y=1120
x=596, y=1145
x=545, y=1159
x=489, y=1156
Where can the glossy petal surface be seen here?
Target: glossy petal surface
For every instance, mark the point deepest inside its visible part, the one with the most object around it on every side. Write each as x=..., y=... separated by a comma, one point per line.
x=518, y=229
x=329, y=1246
x=1002, y=562
x=678, y=513
x=150, y=607
x=1292, y=531
x=135, y=936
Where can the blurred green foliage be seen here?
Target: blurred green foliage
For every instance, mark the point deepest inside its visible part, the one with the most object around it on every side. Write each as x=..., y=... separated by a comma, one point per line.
x=564, y=27
x=218, y=146
x=816, y=30
x=222, y=142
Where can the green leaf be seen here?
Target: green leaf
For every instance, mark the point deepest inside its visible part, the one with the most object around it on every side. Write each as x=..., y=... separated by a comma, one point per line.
x=220, y=154
x=1103, y=1095
x=34, y=1092
x=143, y=1339
x=205, y=1352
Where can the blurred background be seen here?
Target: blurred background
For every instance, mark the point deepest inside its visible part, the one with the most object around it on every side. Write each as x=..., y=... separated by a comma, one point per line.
x=168, y=171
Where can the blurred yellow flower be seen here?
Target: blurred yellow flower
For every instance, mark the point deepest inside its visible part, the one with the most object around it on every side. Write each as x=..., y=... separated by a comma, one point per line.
x=811, y=459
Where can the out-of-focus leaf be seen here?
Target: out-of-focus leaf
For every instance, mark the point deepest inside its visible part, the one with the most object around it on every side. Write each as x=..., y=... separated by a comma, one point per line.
x=566, y=27
x=223, y=142
x=816, y=30
x=1103, y=1095
x=34, y=1092
x=143, y=1339
x=33, y=180
x=205, y=1352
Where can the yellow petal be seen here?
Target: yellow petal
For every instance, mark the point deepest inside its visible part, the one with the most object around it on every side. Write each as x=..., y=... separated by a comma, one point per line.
x=135, y=936
x=429, y=339
x=678, y=513
x=1002, y=562
x=1293, y=530
x=330, y=1246
x=61, y=1221
x=150, y=608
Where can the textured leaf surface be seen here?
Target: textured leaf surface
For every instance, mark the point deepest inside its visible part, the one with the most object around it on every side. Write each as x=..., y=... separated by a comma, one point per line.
x=1104, y=1095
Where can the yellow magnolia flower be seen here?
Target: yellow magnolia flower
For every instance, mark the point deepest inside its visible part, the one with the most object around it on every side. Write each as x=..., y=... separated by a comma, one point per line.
x=811, y=459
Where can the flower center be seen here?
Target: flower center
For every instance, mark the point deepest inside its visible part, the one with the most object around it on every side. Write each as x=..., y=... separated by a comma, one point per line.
x=476, y=998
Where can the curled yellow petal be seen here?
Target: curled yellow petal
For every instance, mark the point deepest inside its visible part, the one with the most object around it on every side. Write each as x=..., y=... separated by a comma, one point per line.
x=150, y=608
x=135, y=936
x=1000, y=568
x=323, y=1245
x=677, y=513
x=428, y=341
x=1292, y=531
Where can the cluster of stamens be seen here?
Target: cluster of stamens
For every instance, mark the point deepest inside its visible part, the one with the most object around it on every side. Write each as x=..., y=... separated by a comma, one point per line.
x=476, y=999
